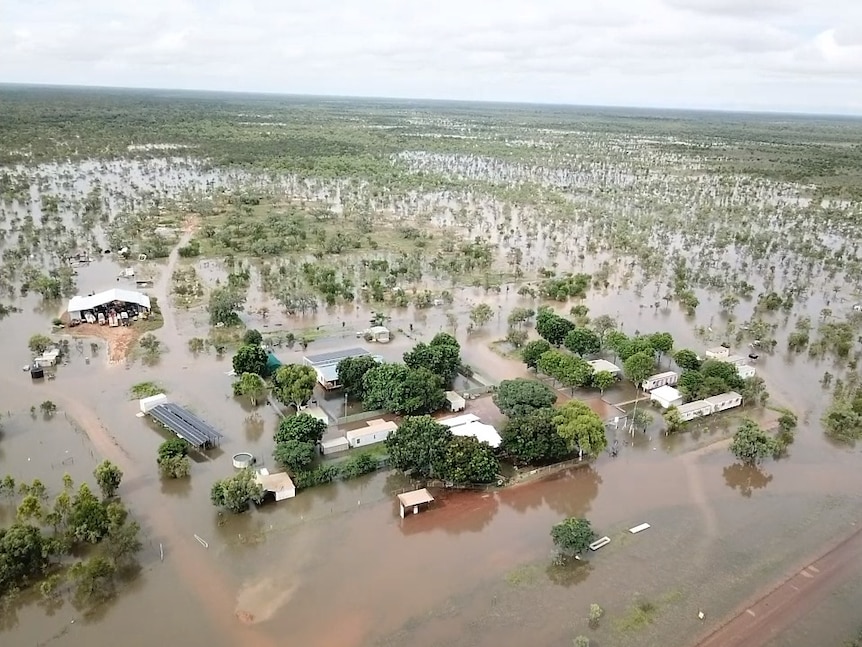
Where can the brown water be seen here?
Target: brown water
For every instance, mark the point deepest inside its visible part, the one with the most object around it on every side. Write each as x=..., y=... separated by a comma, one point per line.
x=337, y=566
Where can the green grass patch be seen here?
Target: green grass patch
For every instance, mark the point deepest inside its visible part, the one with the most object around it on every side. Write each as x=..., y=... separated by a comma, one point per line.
x=645, y=611
x=146, y=390
x=524, y=575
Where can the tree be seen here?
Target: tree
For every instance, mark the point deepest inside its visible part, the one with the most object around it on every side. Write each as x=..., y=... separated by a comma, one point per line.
x=690, y=384
x=573, y=536
x=603, y=380
x=252, y=337
x=94, y=580
x=753, y=390
x=639, y=367
x=575, y=372
x=302, y=427
x=480, y=314
x=88, y=520
x=533, y=438
x=351, y=371
x=581, y=428
x=725, y=371
x=582, y=341
x=687, y=360
x=419, y=445
x=751, y=444
x=122, y=541
x=252, y=386
x=48, y=408
x=22, y=556
x=294, y=454
x=108, y=477
x=603, y=324
x=173, y=458
x=522, y=396
x=533, y=351
x=293, y=384
x=673, y=420
x=236, y=492
x=633, y=346
x=250, y=359
x=615, y=340
x=552, y=327
x=468, y=460
x=38, y=344
x=224, y=304
x=662, y=342
x=399, y=389
x=442, y=357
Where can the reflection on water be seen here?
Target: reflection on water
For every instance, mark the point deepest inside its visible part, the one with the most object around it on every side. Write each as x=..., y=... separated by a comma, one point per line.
x=746, y=478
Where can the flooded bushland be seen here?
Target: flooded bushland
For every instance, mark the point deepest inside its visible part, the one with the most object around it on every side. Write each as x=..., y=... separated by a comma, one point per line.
x=668, y=245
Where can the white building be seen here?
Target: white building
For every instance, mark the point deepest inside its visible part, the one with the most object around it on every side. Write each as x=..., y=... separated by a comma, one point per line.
x=326, y=365
x=455, y=421
x=147, y=404
x=480, y=431
x=380, y=334
x=724, y=401
x=456, y=401
x=115, y=298
x=745, y=371
x=375, y=431
x=696, y=409
x=666, y=397
x=281, y=485
x=736, y=360
x=668, y=378
x=605, y=365
x=334, y=445
x=718, y=352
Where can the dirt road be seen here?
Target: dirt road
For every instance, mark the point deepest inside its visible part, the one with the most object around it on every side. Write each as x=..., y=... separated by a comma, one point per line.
x=759, y=622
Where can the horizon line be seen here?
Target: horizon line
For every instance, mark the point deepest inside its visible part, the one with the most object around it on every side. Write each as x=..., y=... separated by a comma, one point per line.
x=488, y=102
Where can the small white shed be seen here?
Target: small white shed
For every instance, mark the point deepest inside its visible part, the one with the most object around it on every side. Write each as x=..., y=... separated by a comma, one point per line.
x=456, y=402
x=666, y=397
x=281, y=485
x=147, y=404
x=334, y=445
x=745, y=371
x=718, y=352
x=375, y=431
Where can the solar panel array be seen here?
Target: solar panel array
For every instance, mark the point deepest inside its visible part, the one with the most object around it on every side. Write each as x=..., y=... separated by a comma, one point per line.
x=186, y=425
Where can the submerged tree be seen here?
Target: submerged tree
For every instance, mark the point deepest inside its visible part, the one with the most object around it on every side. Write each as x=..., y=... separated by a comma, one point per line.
x=581, y=428
x=573, y=536
x=751, y=444
x=522, y=396
x=237, y=492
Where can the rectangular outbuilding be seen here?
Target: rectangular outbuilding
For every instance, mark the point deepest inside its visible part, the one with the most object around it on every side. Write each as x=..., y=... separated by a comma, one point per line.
x=115, y=299
x=413, y=500
x=146, y=404
x=666, y=397
x=480, y=431
x=717, y=352
x=375, y=431
x=604, y=365
x=326, y=365
x=696, y=409
x=455, y=421
x=456, y=402
x=334, y=445
x=281, y=485
x=668, y=378
x=725, y=401
x=745, y=371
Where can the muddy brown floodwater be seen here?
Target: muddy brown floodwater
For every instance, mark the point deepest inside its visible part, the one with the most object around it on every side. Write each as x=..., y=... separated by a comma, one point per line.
x=337, y=566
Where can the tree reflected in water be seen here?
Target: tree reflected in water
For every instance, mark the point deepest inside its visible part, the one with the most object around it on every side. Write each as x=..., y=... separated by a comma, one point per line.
x=746, y=478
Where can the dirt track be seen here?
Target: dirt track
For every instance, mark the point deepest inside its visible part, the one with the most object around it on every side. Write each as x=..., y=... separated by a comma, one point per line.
x=776, y=610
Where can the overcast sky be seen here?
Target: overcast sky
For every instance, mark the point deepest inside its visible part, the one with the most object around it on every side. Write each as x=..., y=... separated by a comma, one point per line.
x=794, y=55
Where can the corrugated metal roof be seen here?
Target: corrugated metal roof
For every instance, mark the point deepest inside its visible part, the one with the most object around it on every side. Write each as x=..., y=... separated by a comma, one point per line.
x=79, y=303
x=321, y=359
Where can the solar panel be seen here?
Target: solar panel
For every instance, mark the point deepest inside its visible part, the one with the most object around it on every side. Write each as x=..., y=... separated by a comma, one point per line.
x=186, y=425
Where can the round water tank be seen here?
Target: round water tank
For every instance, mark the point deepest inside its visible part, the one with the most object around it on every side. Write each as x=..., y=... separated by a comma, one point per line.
x=243, y=460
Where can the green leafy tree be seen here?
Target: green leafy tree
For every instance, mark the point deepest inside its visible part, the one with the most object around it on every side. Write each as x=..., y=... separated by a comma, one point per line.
x=602, y=325
x=123, y=539
x=293, y=384
x=662, y=343
x=582, y=341
x=224, y=304
x=635, y=345
x=639, y=367
x=351, y=372
x=88, y=520
x=725, y=371
x=575, y=372
x=480, y=314
x=673, y=420
x=252, y=386
x=687, y=360
x=237, y=492
x=751, y=444
x=468, y=460
x=581, y=428
x=533, y=351
x=108, y=477
x=603, y=380
x=302, y=427
x=419, y=445
x=39, y=343
x=521, y=396
x=252, y=337
x=294, y=454
x=573, y=536
x=23, y=556
x=94, y=580
x=533, y=438
x=551, y=364
x=173, y=460
x=250, y=359
x=399, y=389
x=552, y=327
x=615, y=340
x=442, y=357
x=690, y=384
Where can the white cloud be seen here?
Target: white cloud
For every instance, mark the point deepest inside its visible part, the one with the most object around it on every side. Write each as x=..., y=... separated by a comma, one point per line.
x=765, y=54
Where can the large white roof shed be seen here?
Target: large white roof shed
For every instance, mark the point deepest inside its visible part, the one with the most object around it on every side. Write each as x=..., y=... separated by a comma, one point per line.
x=79, y=303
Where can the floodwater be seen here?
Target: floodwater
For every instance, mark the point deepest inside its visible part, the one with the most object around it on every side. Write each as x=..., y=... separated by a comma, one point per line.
x=337, y=566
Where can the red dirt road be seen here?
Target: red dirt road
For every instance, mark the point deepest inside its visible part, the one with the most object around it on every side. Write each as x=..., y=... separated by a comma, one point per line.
x=758, y=623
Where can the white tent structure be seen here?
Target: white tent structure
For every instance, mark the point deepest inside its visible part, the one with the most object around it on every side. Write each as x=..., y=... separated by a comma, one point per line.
x=480, y=431
x=79, y=304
